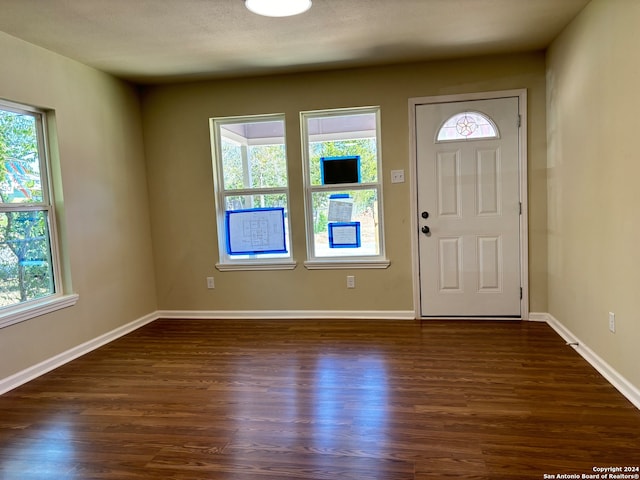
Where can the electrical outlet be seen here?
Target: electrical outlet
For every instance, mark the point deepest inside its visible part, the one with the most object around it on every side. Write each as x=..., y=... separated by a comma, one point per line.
x=612, y=322
x=210, y=283
x=351, y=281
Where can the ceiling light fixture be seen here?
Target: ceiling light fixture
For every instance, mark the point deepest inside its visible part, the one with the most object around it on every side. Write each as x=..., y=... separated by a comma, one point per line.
x=278, y=8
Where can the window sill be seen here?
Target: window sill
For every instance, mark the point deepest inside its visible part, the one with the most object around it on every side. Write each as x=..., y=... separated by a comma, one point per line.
x=342, y=264
x=36, y=308
x=230, y=267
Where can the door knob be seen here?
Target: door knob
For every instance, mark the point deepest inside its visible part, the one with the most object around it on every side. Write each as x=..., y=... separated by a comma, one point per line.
x=425, y=214
x=426, y=230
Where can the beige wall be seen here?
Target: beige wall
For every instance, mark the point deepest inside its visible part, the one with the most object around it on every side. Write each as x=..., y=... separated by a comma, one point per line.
x=593, y=75
x=181, y=186
x=105, y=219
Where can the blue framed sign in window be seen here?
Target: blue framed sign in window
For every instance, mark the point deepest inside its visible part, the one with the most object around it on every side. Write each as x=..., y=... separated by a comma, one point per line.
x=345, y=169
x=255, y=230
x=344, y=235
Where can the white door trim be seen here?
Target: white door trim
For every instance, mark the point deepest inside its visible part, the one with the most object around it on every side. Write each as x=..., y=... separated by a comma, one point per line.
x=522, y=164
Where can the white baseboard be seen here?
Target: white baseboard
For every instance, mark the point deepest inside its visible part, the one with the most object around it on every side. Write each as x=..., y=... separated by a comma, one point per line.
x=28, y=374
x=289, y=314
x=538, y=317
x=625, y=387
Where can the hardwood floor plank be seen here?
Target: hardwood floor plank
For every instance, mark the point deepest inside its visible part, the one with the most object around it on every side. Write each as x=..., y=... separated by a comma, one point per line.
x=286, y=399
x=287, y=465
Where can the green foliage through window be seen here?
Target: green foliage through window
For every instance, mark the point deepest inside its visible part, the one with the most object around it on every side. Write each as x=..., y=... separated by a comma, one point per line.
x=26, y=271
x=264, y=166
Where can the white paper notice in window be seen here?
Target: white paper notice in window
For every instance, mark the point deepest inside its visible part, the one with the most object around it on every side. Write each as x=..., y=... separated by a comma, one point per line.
x=255, y=230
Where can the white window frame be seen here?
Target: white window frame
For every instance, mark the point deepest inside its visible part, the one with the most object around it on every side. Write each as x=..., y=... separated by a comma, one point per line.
x=13, y=314
x=226, y=262
x=341, y=261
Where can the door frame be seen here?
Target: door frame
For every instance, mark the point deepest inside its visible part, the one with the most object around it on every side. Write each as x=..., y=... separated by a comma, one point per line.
x=521, y=94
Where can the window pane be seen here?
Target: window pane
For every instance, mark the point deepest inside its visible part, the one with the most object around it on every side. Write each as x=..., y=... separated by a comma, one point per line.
x=25, y=257
x=20, y=179
x=243, y=202
x=343, y=135
x=253, y=155
x=346, y=207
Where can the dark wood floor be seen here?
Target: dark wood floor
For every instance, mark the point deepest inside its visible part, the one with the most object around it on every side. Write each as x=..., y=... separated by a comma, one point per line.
x=203, y=399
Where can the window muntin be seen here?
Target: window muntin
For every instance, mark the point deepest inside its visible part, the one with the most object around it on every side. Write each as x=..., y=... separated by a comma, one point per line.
x=250, y=165
x=467, y=126
x=343, y=133
x=28, y=263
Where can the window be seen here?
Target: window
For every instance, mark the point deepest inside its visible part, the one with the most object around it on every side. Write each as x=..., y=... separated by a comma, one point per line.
x=252, y=193
x=467, y=126
x=29, y=267
x=343, y=191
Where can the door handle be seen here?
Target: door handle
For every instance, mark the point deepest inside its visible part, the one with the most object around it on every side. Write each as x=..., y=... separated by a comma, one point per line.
x=426, y=230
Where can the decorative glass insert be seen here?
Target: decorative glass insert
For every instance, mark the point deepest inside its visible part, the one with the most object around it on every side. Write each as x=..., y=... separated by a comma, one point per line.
x=467, y=126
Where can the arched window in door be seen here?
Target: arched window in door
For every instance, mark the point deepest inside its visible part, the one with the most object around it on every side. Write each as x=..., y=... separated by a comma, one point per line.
x=467, y=126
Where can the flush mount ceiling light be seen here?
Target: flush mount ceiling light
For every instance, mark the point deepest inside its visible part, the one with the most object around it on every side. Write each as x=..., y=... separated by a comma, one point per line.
x=278, y=8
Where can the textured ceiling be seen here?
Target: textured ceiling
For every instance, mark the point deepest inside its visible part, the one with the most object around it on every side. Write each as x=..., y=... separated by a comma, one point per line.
x=152, y=41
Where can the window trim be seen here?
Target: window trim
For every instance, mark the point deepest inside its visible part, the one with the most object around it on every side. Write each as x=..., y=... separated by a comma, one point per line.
x=314, y=262
x=12, y=314
x=225, y=263
x=35, y=308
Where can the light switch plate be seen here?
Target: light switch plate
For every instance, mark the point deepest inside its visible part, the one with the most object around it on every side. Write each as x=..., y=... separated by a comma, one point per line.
x=397, y=176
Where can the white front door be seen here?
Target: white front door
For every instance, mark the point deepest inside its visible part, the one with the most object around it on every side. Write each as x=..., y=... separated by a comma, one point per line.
x=469, y=208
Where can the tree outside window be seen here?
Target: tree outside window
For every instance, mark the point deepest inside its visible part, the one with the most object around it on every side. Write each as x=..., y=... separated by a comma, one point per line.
x=26, y=262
